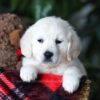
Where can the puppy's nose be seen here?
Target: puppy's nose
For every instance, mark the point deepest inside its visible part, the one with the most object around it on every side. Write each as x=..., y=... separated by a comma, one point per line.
x=48, y=54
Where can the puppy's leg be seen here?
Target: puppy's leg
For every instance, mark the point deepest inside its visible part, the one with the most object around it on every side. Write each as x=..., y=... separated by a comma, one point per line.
x=28, y=73
x=71, y=78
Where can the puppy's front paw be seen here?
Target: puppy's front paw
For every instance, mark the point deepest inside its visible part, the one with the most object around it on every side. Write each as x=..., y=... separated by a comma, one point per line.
x=70, y=83
x=27, y=74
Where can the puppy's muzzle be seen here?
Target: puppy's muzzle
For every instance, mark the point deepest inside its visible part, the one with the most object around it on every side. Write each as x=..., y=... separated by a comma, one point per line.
x=48, y=55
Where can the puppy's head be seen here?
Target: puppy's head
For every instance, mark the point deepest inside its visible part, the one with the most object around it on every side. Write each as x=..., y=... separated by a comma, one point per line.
x=50, y=40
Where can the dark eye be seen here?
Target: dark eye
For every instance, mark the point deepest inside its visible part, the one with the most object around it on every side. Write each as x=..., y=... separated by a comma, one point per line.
x=40, y=40
x=58, y=41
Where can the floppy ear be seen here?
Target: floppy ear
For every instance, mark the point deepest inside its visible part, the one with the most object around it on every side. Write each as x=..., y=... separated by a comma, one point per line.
x=25, y=43
x=73, y=46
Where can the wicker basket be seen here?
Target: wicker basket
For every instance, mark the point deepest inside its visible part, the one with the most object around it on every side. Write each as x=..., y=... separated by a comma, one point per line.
x=85, y=90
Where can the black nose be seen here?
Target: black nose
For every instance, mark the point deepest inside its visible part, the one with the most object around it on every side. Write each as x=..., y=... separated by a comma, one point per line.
x=48, y=54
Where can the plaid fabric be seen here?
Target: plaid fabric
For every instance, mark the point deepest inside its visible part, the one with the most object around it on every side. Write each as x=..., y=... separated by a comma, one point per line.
x=46, y=87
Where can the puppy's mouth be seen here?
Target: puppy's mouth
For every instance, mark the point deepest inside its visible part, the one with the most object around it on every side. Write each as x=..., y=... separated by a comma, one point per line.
x=50, y=61
x=47, y=61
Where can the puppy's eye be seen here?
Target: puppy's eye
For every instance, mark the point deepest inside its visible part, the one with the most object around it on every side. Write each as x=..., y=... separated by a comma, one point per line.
x=40, y=40
x=58, y=41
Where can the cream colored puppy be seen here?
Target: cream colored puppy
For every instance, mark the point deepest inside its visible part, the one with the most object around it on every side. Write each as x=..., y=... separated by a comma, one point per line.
x=52, y=46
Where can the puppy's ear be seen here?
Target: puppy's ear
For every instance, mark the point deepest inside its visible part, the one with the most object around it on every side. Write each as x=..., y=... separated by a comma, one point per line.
x=73, y=46
x=25, y=43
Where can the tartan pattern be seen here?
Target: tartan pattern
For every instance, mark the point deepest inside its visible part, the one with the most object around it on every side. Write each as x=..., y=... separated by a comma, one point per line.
x=12, y=88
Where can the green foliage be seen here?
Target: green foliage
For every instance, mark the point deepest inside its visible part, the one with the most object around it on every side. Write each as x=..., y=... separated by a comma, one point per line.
x=84, y=15
x=41, y=8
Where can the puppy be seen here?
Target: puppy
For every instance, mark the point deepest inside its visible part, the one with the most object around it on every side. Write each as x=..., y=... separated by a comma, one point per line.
x=52, y=46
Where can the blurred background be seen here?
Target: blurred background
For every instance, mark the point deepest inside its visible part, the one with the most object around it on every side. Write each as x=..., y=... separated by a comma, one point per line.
x=84, y=15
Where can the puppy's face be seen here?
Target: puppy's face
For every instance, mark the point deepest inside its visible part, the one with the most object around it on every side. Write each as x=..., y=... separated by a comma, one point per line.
x=49, y=44
x=49, y=41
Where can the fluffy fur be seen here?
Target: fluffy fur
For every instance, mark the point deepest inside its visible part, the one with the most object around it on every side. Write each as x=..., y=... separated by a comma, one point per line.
x=57, y=36
x=11, y=29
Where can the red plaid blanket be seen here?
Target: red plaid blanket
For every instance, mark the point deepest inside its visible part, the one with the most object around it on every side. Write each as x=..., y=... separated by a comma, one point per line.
x=46, y=87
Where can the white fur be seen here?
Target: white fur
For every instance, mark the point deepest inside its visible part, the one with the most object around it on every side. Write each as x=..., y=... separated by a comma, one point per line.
x=65, y=60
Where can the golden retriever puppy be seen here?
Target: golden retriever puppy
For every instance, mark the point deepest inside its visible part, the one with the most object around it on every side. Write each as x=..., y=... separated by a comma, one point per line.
x=52, y=46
